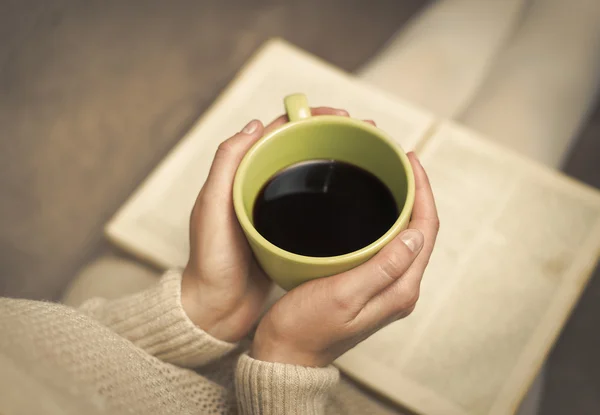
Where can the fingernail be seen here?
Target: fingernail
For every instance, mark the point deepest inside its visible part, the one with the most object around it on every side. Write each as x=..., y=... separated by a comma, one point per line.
x=251, y=127
x=413, y=239
x=343, y=113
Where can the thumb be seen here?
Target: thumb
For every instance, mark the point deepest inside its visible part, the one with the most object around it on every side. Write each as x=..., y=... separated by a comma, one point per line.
x=369, y=279
x=227, y=159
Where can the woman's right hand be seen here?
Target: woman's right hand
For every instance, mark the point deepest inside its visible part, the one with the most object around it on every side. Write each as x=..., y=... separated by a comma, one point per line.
x=317, y=322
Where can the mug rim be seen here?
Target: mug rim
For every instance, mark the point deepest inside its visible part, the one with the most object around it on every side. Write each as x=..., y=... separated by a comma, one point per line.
x=366, y=251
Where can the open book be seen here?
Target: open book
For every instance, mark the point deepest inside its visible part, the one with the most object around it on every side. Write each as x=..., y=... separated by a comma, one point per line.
x=516, y=247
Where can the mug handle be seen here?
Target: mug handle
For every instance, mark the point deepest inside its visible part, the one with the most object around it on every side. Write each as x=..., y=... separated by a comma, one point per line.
x=296, y=107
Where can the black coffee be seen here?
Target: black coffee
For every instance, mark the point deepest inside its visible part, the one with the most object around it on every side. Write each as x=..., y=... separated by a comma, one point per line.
x=324, y=208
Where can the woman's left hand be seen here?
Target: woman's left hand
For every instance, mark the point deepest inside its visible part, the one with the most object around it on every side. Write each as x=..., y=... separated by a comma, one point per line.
x=223, y=288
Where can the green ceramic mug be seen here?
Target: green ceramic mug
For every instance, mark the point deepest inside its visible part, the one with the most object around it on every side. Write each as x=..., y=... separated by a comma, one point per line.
x=311, y=138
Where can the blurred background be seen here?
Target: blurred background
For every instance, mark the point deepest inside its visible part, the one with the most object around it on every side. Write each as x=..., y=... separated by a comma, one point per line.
x=90, y=84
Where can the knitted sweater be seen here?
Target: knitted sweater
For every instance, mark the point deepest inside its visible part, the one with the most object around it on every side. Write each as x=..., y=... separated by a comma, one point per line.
x=141, y=354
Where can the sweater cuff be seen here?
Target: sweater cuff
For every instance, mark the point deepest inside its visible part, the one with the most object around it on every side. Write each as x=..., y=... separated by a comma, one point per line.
x=275, y=388
x=155, y=321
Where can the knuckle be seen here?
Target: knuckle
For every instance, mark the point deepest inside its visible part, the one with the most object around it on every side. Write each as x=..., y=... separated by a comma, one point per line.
x=410, y=299
x=436, y=223
x=231, y=146
x=201, y=198
x=201, y=201
x=341, y=300
x=194, y=217
x=195, y=212
x=226, y=147
x=407, y=312
x=408, y=296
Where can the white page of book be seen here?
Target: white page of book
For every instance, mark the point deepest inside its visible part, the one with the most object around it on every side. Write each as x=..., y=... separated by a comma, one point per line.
x=516, y=247
x=154, y=222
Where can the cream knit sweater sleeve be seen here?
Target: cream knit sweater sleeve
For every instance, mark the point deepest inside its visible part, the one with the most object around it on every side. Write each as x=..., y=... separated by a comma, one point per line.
x=274, y=388
x=155, y=321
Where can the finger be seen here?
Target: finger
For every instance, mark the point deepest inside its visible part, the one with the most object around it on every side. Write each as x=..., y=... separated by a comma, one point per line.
x=424, y=208
x=281, y=120
x=399, y=299
x=371, y=122
x=219, y=183
x=359, y=285
x=424, y=218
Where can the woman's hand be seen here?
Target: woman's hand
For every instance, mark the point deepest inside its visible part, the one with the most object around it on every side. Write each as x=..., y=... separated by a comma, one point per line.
x=223, y=288
x=318, y=321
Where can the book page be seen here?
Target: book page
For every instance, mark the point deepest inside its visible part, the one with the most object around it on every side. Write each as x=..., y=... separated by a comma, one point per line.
x=154, y=223
x=516, y=247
